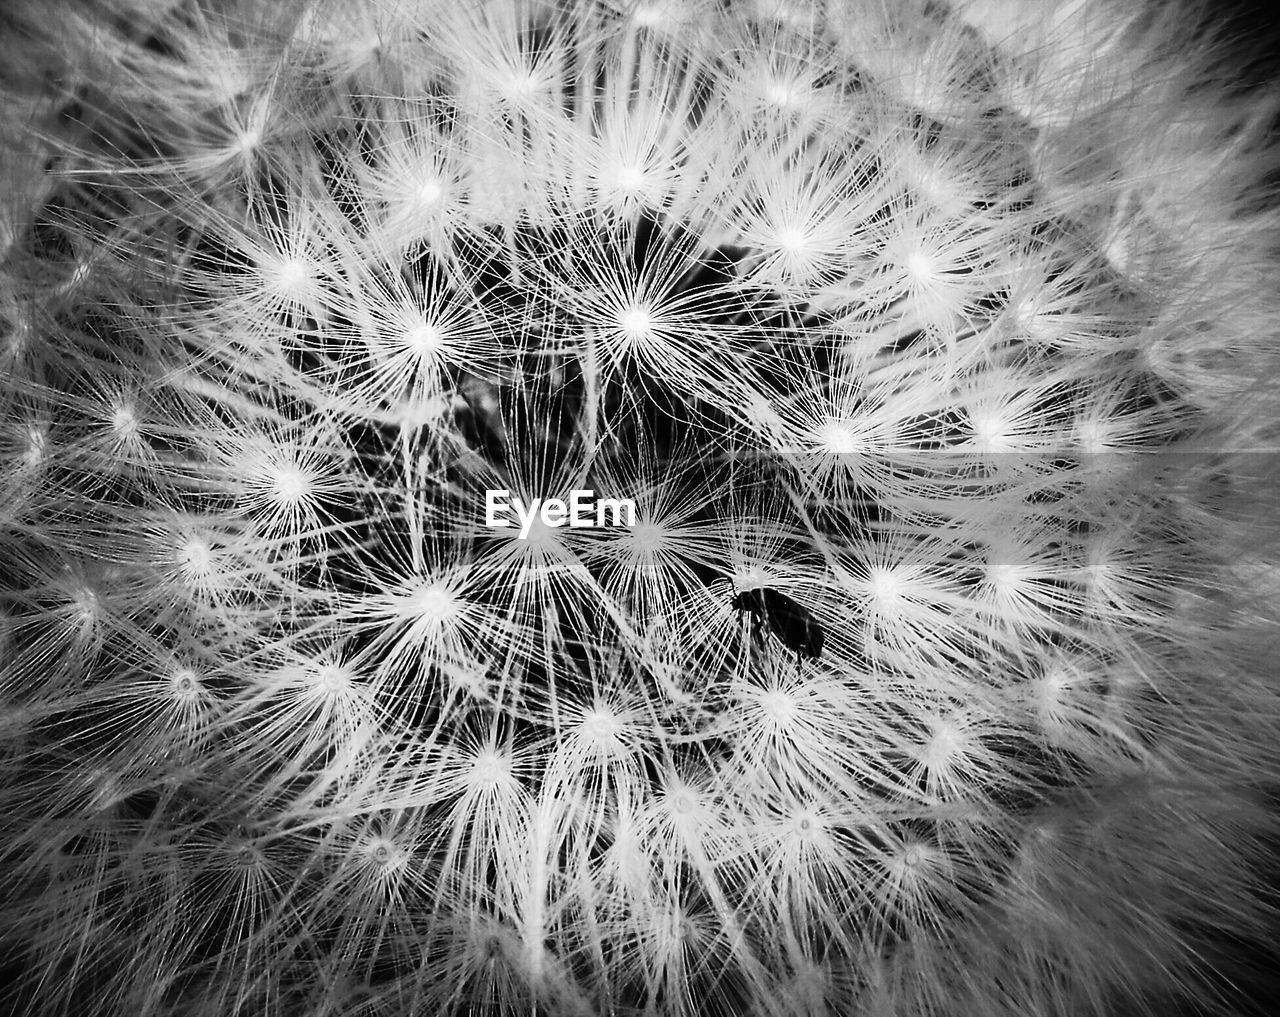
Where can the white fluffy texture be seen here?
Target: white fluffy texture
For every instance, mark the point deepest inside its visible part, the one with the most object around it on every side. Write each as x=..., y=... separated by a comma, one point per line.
x=953, y=323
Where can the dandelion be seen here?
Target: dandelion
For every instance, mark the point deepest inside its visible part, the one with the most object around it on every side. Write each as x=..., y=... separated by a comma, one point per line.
x=946, y=323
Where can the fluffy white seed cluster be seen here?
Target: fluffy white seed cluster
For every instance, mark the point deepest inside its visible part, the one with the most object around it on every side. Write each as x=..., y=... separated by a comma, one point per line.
x=950, y=323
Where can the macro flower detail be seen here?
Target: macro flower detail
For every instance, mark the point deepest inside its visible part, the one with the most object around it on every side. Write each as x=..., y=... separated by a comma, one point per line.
x=929, y=348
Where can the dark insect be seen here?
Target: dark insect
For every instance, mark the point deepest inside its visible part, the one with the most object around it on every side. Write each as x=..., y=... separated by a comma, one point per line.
x=792, y=623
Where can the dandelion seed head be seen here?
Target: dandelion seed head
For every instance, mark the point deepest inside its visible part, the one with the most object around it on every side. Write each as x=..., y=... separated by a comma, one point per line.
x=629, y=178
x=840, y=437
x=636, y=323
x=288, y=277
x=920, y=266
x=991, y=431
x=1029, y=311
x=764, y=416
x=1054, y=693
x=603, y=730
x=290, y=485
x=184, y=684
x=247, y=141
x=86, y=604
x=426, y=340
x=246, y=854
x=330, y=681
x=786, y=94
x=427, y=193
x=685, y=804
x=807, y=825
x=910, y=860
x=1095, y=436
x=490, y=770
x=383, y=854
x=647, y=536
x=37, y=447
x=887, y=587
x=521, y=86
x=948, y=742
x=124, y=422
x=1102, y=559
x=793, y=239
x=195, y=558
x=801, y=253
x=1004, y=572
x=779, y=707
x=433, y=603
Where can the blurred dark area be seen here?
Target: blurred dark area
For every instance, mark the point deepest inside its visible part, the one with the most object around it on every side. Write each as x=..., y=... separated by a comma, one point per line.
x=1254, y=27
